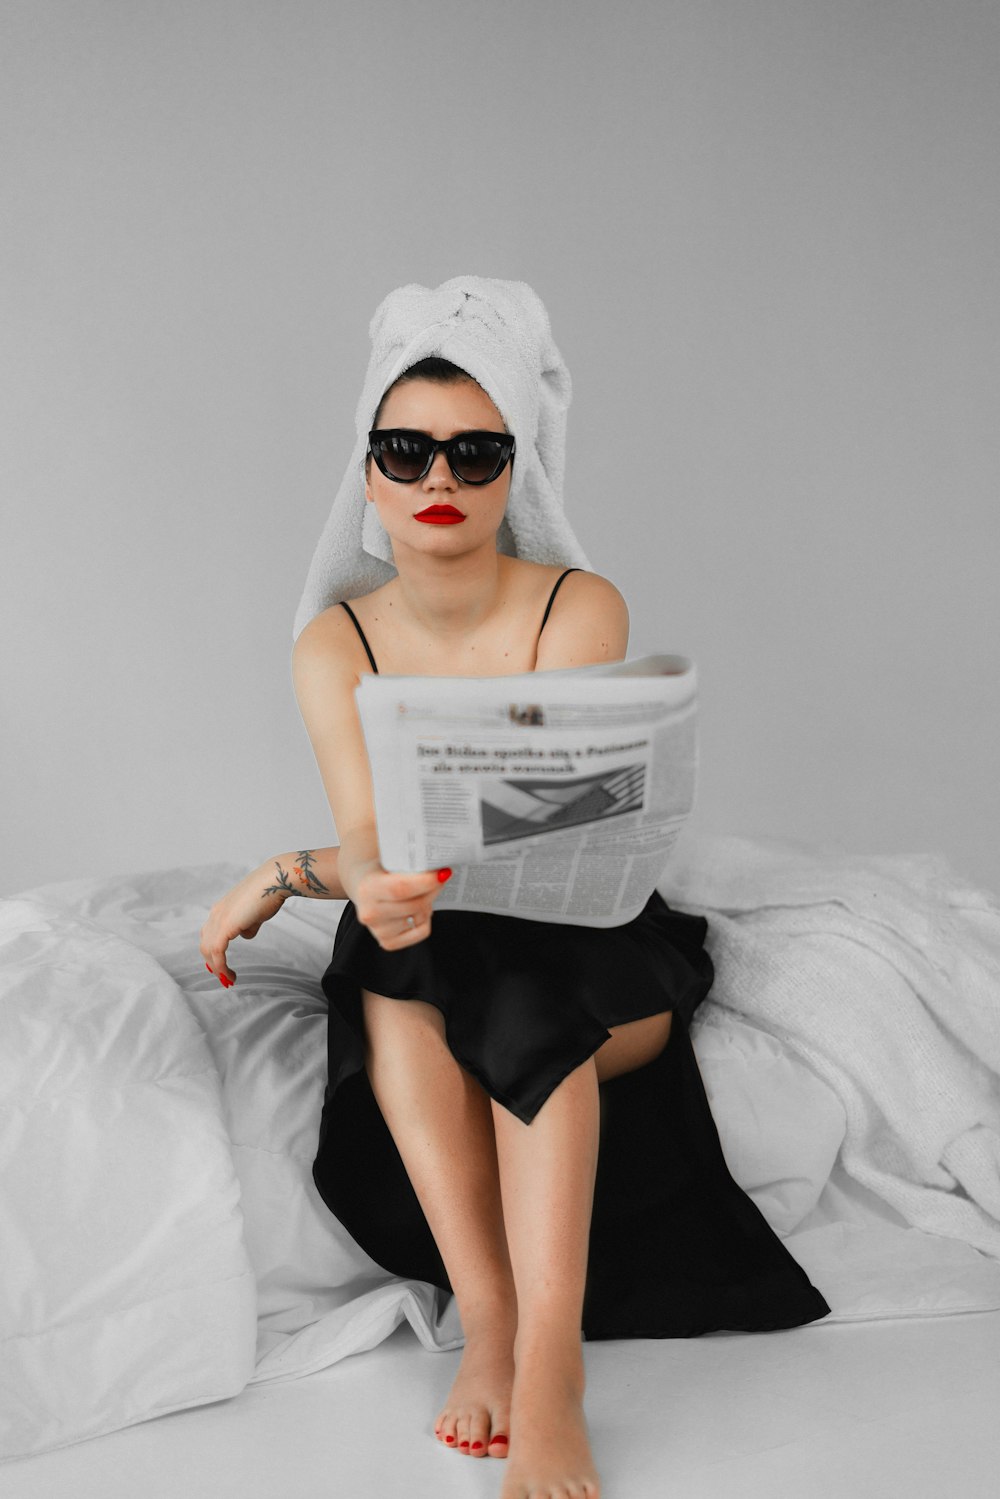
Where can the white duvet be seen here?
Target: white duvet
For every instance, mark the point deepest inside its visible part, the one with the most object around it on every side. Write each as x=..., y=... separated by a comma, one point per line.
x=163, y=1244
x=126, y=1289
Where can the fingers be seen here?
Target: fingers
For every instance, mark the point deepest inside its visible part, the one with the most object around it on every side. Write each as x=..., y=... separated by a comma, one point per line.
x=406, y=887
x=217, y=965
x=215, y=962
x=404, y=931
x=396, y=908
x=213, y=948
x=397, y=923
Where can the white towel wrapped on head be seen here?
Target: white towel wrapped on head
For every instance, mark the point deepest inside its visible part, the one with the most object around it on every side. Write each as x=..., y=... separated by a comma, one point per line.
x=498, y=332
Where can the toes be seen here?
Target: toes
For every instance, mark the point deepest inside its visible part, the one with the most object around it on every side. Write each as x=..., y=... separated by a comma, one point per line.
x=479, y=1434
x=499, y=1442
x=445, y=1429
x=500, y=1431
x=468, y=1434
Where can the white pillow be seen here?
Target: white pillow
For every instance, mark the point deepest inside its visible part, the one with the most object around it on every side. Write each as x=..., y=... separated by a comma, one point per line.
x=126, y=1289
x=780, y=1125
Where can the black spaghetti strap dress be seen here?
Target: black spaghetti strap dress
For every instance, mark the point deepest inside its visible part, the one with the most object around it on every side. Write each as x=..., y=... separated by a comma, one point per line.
x=676, y=1248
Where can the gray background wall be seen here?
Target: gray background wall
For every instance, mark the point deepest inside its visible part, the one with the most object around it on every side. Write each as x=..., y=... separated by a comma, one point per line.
x=767, y=237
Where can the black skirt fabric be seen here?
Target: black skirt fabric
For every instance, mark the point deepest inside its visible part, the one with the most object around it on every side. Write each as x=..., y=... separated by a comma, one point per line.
x=676, y=1247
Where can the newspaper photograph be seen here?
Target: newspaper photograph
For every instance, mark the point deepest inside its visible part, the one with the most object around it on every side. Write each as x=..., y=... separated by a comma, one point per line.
x=555, y=796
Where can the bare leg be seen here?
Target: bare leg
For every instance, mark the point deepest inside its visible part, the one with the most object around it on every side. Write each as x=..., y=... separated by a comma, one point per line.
x=547, y=1172
x=441, y=1122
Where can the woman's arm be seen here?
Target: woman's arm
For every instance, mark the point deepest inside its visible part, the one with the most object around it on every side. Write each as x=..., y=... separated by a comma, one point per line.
x=396, y=908
x=260, y=895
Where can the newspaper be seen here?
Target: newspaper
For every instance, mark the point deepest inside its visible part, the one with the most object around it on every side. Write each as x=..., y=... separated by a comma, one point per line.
x=556, y=795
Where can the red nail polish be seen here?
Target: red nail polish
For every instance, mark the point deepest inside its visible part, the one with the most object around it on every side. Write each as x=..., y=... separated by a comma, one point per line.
x=444, y=874
x=449, y=1439
x=499, y=1437
x=475, y=1445
x=463, y=1444
x=209, y=967
x=226, y=983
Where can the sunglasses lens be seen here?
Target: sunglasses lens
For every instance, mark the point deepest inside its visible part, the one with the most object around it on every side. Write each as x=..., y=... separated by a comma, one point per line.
x=403, y=455
x=476, y=459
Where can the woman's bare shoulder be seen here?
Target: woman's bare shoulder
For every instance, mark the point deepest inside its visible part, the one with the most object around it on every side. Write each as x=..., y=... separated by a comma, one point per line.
x=327, y=625
x=591, y=586
x=582, y=590
x=540, y=577
x=328, y=642
x=589, y=623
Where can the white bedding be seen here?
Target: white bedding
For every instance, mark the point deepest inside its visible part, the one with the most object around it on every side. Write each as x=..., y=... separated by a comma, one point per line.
x=123, y=1149
x=126, y=1289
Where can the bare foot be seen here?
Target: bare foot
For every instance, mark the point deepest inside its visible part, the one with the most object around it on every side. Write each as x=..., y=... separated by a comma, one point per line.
x=476, y=1414
x=550, y=1455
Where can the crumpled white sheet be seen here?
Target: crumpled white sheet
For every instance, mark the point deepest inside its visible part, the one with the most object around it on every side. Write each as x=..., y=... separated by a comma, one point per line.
x=883, y=974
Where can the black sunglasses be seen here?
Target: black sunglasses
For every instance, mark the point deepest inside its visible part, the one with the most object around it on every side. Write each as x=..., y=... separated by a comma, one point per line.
x=405, y=456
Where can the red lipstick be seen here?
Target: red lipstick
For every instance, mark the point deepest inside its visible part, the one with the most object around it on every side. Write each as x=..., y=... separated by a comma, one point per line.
x=440, y=515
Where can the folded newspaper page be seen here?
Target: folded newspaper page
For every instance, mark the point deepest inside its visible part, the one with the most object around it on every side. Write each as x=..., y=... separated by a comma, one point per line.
x=556, y=795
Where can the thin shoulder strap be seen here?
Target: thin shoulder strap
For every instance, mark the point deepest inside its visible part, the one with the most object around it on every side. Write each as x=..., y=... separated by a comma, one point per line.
x=361, y=632
x=552, y=596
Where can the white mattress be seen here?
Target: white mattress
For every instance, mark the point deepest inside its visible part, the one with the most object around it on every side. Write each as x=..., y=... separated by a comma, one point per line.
x=877, y=1410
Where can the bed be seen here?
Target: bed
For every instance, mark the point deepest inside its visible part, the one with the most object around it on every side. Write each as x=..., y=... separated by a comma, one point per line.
x=181, y=1314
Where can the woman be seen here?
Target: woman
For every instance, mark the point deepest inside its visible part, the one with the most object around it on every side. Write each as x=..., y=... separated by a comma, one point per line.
x=524, y=1177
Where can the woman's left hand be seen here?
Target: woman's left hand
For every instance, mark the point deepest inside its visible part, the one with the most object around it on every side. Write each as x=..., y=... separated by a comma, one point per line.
x=396, y=907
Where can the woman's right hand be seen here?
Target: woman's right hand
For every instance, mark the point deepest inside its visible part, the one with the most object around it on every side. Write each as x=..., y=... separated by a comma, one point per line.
x=240, y=913
x=396, y=908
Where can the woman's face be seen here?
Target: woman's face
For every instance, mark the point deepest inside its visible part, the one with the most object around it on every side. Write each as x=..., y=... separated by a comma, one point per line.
x=442, y=411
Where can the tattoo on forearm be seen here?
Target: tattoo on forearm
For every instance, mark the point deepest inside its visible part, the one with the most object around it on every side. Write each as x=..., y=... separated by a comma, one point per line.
x=305, y=873
x=284, y=885
x=304, y=870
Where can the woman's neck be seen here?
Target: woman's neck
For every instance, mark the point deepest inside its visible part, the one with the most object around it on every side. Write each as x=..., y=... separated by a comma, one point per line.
x=451, y=595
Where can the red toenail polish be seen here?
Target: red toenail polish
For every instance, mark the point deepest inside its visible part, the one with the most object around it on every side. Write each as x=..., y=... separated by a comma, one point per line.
x=449, y=1439
x=500, y=1438
x=463, y=1444
x=475, y=1445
